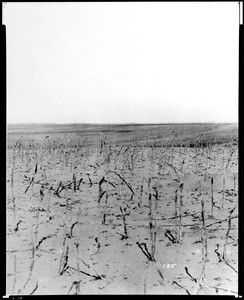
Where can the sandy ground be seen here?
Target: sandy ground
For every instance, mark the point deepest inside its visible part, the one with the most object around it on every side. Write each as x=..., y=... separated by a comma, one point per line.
x=56, y=227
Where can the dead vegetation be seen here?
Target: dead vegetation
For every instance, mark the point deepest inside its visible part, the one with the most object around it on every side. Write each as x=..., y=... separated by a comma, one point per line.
x=128, y=218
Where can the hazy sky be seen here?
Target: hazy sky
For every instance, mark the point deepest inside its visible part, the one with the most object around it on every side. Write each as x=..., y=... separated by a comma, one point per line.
x=141, y=62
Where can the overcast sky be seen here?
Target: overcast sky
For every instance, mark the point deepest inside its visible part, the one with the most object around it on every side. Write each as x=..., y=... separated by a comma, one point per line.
x=141, y=62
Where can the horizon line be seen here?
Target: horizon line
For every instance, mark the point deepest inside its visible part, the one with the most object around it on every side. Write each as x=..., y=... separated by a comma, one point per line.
x=114, y=123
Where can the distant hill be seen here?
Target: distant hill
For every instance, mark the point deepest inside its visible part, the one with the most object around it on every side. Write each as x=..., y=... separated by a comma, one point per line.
x=159, y=134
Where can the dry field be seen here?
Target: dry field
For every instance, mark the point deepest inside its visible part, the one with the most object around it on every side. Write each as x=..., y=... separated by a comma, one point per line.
x=132, y=209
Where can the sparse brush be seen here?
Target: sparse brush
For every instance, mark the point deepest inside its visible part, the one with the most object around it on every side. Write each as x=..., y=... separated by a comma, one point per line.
x=227, y=233
x=16, y=228
x=37, y=224
x=75, y=284
x=176, y=217
x=97, y=276
x=33, y=252
x=71, y=167
x=234, y=187
x=180, y=215
x=78, y=269
x=74, y=182
x=152, y=226
x=149, y=185
x=125, y=235
x=192, y=278
x=67, y=203
x=70, y=234
x=229, y=158
x=169, y=235
x=155, y=188
x=42, y=240
x=35, y=288
x=205, y=238
x=49, y=201
x=223, y=195
x=145, y=251
x=66, y=158
x=118, y=153
x=141, y=193
x=124, y=181
x=41, y=193
x=106, y=203
x=182, y=165
x=221, y=259
x=201, y=280
x=174, y=168
x=98, y=244
x=100, y=191
x=101, y=146
x=212, y=198
x=64, y=257
x=181, y=194
x=56, y=192
x=174, y=282
x=64, y=260
x=31, y=184
x=78, y=184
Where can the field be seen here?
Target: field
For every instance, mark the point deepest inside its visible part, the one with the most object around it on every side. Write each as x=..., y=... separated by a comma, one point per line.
x=122, y=209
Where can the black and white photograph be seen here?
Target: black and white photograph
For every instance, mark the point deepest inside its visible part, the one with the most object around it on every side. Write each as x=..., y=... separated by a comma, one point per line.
x=122, y=148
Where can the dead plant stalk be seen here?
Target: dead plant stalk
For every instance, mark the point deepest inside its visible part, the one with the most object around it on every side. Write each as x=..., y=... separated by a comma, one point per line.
x=212, y=198
x=227, y=234
x=152, y=222
x=201, y=280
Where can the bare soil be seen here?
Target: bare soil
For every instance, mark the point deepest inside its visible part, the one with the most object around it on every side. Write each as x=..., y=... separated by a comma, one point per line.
x=63, y=239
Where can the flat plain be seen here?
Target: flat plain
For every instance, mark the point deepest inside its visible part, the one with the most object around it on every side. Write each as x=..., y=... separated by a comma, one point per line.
x=122, y=209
